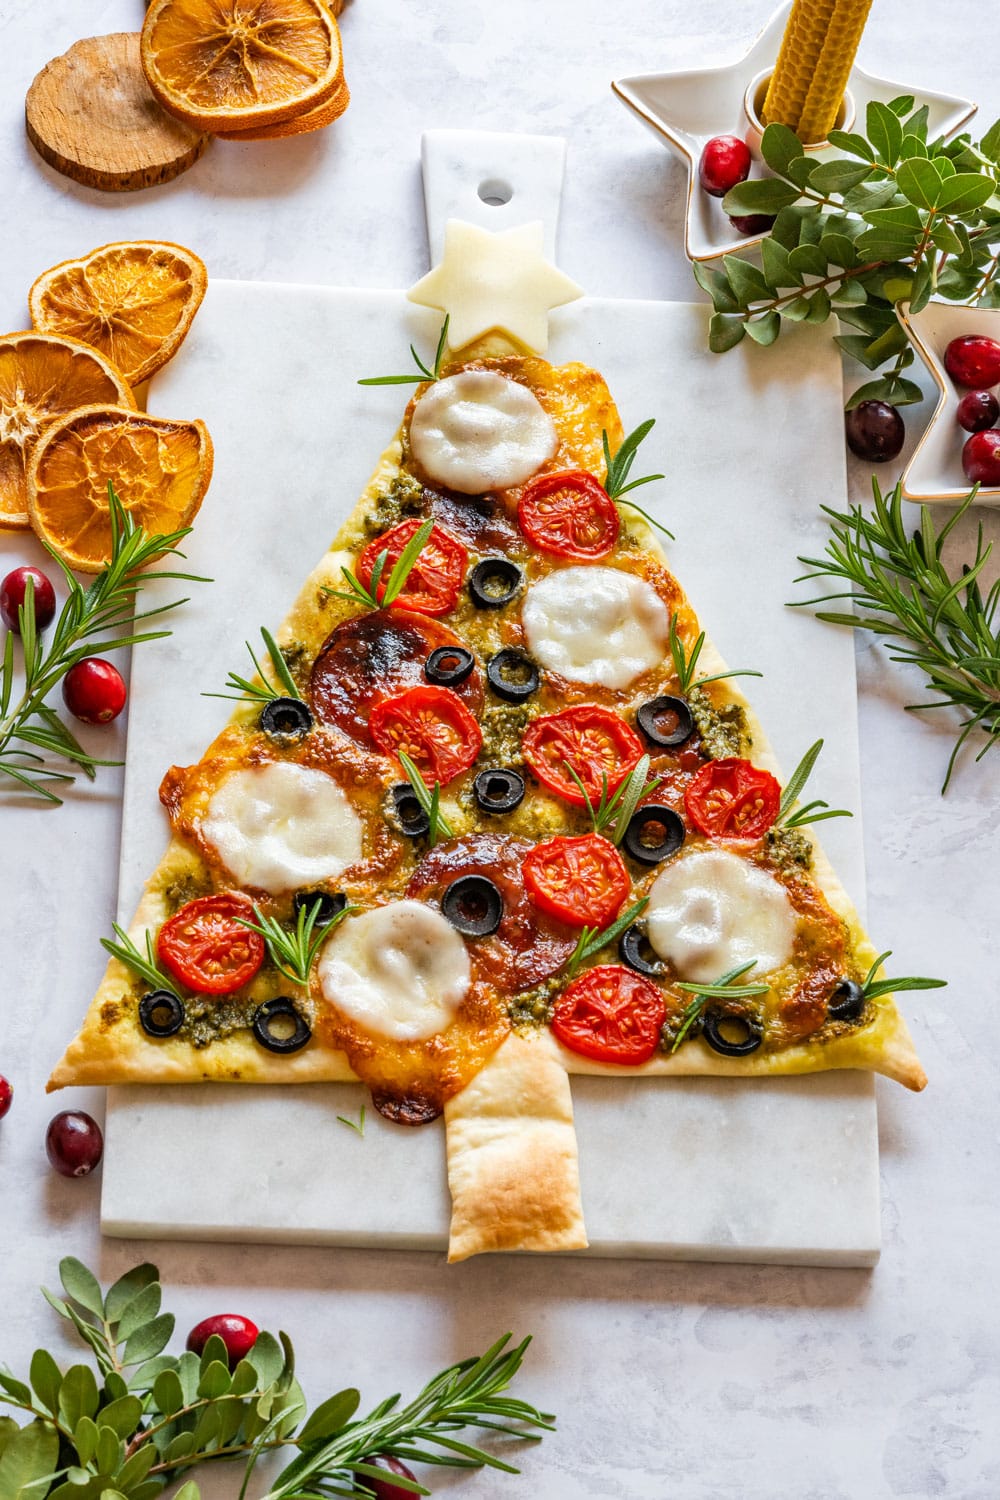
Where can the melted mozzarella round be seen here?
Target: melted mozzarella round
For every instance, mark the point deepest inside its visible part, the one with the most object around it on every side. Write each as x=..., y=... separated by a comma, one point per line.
x=711, y=911
x=279, y=826
x=479, y=431
x=401, y=971
x=597, y=625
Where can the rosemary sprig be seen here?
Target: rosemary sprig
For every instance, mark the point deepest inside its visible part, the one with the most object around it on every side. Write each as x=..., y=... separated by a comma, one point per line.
x=356, y=593
x=424, y=373
x=872, y=988
x=902, y=591
x=618, y=466
x=723, y=988
x=144, y=965
x=91, y=622
x=292, y=950
x=357, y=1125
x=615, y=812
x=685, y=662
x=593, y=939
x=429, y=799
x=261, y=691
x=813, y=812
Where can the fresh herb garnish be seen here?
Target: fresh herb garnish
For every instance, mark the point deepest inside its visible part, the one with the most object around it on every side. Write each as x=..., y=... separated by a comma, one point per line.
x=292, y=950
x=357, y=1125
x=262, y=691
x=145, y=965
x=724, y=988
x=425, y=374
x=685, y=662
x=429, y=799
x=148, y=1417
x=615, y=812
x=91, y=622
x=812, y=812
x=901, y=590
x=872, y=988
x=617, y=482
x=356, y=593
x=593, y=939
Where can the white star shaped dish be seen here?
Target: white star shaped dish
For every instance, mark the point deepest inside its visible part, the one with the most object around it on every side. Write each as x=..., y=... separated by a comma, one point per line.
x=934, y=473
x=687, y=108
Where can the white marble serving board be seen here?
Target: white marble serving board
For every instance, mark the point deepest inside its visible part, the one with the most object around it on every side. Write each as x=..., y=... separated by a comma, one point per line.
x=752, y=443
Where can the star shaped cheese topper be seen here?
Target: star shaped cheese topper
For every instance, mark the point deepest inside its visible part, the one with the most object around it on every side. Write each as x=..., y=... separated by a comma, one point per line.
x=495, y=280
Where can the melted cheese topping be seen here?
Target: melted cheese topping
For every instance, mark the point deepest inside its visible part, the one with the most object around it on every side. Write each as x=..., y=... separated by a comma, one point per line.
x=279, y=826
x=479, y=431
x=596, y=625
x=711, y=911
x=401, y=971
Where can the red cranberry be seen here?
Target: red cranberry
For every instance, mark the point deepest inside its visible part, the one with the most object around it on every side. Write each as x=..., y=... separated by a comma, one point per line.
x=6, y=1096
x=384, y=1489
x=875, y=431
x=12, y=591
x=973, y=360
x=237, y=1333
x=751, y=223
x=74, y=1143
x=977, y=410
x=725, y=161
x=981, y=458
x=94, y=691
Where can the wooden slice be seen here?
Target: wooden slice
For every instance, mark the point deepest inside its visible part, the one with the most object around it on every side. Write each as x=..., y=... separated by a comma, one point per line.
x=90, y=114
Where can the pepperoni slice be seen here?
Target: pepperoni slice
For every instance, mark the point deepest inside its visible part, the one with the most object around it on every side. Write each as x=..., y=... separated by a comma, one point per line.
x=528, y=945
x=434, y=728
x=376, y=656
x=433, y=583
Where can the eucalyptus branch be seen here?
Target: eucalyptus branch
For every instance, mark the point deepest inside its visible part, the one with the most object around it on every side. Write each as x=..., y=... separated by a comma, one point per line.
x=424, y=372
x=593, y=939
x=262, y=690
x=357, y=593
x=429, y=799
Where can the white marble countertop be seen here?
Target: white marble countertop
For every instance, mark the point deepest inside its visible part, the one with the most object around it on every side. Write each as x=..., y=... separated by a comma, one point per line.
x=692, y=1381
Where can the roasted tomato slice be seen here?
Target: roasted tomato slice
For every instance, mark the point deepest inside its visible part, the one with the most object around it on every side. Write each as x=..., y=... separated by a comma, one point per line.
x=732, y=799
x=432, y=726
x=569, y=514
x=435, y=580
x=594, y=741
x=611, y=1015
x=205, y=946
x=582, y=881
x=528, y=946
x=375, y=656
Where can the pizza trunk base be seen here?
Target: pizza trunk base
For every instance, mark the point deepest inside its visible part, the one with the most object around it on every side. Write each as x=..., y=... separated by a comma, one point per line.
x=762, y=477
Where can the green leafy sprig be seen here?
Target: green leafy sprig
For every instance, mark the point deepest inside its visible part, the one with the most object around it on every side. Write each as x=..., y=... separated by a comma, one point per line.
x=356, y=593
x=619, y=466
x=91, y=622
x=723, y=988
x=613, y=813
x=293, y=950
x=143, y=964
x=872, y=988
x=424, y=372
x=148, y=1417
x=262, y=691
x=901, y=590
x=894, y=217
x=358, y=1125
x=813, y=812
x=686, y=662
x=429, y=799
x=593, y=939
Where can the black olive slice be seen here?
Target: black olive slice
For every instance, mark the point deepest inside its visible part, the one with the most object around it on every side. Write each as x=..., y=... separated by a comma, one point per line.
x=512, y=675
x=410, y=1110
x=278, y=1026
x=411, y=817
x=712, y=1022
x=666, y=721
x=449, y=665
x=494, y=582
x=161, y=1013
x=286, y=718
x=654, y=832
x=498, y=791
x=473, y=905
x=847, y=1001
x=635, y=950
x=330, y=906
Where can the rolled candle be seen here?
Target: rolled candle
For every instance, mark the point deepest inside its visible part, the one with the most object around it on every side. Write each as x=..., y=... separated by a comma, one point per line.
x=817, y=54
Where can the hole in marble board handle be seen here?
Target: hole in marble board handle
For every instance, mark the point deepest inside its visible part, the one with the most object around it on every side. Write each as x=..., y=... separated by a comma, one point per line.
x=495, y=192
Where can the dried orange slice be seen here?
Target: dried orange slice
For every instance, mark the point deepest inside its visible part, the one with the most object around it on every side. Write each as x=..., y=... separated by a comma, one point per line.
x=42, y=377
x=239, y=64
x=160, y=469
x=313, y=119
x=132, y=301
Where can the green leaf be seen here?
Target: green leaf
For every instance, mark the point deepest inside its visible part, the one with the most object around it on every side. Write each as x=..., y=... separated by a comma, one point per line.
x=819, y=306
x=267, y=1358
x=404, y=563
x=898, y=288
x=920, y=183
x=901, y=105
x=775, y=262
x=796, y=310
x=206, y=1427
x=808, y=260
x=134, y=1470
x=839, y=250
x=923, y=285
x=764, y=330
x=149, y=1340
x=142, y=1378
x=168, y=1392
x=852, y=143
x=46, y=1378
x=8, y=1431
x=330, y=1417
x=990, y=143
x=82, y=1285
x=746, y=281
x=849, y=293
x=884, y=131
x=109, y=1450
x=869, y=195
x=15, y=1388
x=122, y=1416
x=188, y=1491
x=78, y=1396
x=142, y=1309
x=724, y=332
x=214, y=1381
x=28, y=1458
x=837, y=176
x=857, y=346
x=779, y=146
x=85, y=1439
x=179, y=1447
x=965, y=192
x=765, y=195
x=716, y=285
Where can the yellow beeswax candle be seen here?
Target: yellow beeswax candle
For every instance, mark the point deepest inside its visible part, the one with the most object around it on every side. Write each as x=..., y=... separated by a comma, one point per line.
x=814, y=64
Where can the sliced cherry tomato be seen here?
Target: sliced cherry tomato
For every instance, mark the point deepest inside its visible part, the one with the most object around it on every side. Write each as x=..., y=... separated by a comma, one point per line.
x=594, y=741
x=610, y=1014
x=582, y=881
x=435, y=580
x=205, y=946
x=569, y=514
x=375, y=656
x=732, y=799
x=432, y=726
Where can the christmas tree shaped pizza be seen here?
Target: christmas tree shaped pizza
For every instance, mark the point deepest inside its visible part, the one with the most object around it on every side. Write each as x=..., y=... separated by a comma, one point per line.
x=489, y=810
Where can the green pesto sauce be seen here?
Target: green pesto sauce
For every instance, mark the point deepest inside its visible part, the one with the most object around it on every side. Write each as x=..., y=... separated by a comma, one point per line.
x=724, y=730
x=403, y=498
x=535, y=1006
x=788, y=849
x=182, y=890
x=207, y=1018
x=502, y=731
